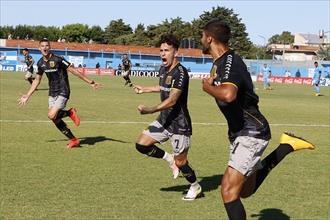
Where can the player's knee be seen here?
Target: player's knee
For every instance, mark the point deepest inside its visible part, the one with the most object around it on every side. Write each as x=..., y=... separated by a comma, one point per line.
x=142, y=148
x=180, y=162
x=52, y=116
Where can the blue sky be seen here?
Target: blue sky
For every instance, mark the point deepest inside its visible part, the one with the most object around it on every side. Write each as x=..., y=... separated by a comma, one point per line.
x=263, y=19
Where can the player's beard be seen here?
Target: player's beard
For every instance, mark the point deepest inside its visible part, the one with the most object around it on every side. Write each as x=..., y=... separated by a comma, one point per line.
x=206, y=49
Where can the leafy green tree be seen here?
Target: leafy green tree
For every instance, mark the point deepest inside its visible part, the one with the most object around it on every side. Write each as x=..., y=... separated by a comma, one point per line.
x=95, y=33
x=239, y=40
x=5, y=31
x=115, y=29
x=51, y=33
x=324, y=53
x=22, y=32
x=285, y=38
x=75, y=32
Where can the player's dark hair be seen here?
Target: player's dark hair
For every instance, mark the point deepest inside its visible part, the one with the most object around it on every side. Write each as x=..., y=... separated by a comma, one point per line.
x=170, y=39
x=316, y=62
x=25, y=49
x=219, y=30
x=44, y=40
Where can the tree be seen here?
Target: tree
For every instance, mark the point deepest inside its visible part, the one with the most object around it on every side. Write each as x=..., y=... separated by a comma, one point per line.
x=324, y=53
x=75, y=32
x=285, y=38
x=239, y=40
x=22, y=32
x=115, y=29
x=51, y=33
x=6, y=31
x=95, y=33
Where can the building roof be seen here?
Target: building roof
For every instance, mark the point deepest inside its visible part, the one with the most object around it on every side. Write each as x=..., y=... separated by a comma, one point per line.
x=101, y=47
x=312, y=39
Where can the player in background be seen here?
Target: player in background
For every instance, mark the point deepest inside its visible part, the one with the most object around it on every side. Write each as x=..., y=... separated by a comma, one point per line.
x=248, y=130
x=317, y=78
x=266, y=74
x=126, y=69
x=56, y=68
x=29, y=64
x=174, y=121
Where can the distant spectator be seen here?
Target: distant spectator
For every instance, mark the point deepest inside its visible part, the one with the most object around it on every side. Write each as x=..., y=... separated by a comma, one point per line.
x=84, y=65
x=9, y=36
x=287, y=73
x=316, y=78
x=97, y=65
x=79, y=65
x=298, y=74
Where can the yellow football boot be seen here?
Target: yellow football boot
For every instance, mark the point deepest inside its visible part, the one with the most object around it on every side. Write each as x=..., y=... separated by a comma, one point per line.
x=297, y=143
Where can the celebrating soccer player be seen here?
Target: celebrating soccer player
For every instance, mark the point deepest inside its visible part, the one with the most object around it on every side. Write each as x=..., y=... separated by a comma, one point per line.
x=174, y=122
x=249, y=133
x=56, y=69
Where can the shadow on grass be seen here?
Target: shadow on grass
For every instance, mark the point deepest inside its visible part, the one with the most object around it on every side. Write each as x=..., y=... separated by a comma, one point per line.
x=208, y=183
x=93, y=140
x=271, y=214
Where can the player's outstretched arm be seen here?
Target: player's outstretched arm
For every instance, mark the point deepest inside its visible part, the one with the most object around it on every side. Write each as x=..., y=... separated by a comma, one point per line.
x=166, y=104
x=24, y=98
x=92, y=83
x=140, y=89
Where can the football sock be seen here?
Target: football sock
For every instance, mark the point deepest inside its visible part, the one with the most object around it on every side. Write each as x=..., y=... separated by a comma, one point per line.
x=188, y=173
x=151, y=151
x=270, y=162
x=168, y=157
x=30, y=80
x=62, y=114
x=235, y=210
x=60, y=124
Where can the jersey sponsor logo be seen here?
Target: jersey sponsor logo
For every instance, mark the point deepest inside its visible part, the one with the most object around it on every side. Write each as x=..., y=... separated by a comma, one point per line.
x=50, y=70
x=162, y=88
x=168, y=80
x=51, y=64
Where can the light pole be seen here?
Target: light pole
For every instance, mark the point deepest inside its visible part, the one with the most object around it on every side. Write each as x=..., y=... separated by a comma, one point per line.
x=264, y=39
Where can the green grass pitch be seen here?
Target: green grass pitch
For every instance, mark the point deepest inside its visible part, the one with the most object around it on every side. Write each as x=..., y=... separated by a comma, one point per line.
x=107, y=178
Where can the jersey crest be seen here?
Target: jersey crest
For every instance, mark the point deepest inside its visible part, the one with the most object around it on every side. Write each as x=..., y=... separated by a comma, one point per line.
x=51, y=64
x=168, y=80
x=213, y=71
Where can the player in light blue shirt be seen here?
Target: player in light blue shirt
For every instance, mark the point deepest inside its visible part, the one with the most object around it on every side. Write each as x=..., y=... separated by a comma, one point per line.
x=316, y=78
x=266, y=74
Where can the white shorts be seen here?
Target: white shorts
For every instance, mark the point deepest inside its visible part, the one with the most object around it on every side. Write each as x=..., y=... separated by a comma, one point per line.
x=245, y=154
x=28, y=75
x=180, y=143
x=57, y=101
x=125, y=73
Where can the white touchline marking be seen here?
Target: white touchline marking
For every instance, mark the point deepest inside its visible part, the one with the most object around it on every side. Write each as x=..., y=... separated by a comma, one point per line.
x=143, y=122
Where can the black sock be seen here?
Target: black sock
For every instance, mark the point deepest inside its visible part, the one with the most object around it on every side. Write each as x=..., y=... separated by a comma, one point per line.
x=60, y=124
x=188, y=173
x=235, y=210
x=128, y=79
x=62, y=114
x=30, y=80
x=151, y=151
x=270, y=162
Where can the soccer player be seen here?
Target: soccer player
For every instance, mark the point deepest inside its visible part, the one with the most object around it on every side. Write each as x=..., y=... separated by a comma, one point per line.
x=126, y=70
x=174, y=121
x=29, y=64
x=248, y=130
x=266, y=74
x=316, y=78
x=56, y=69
